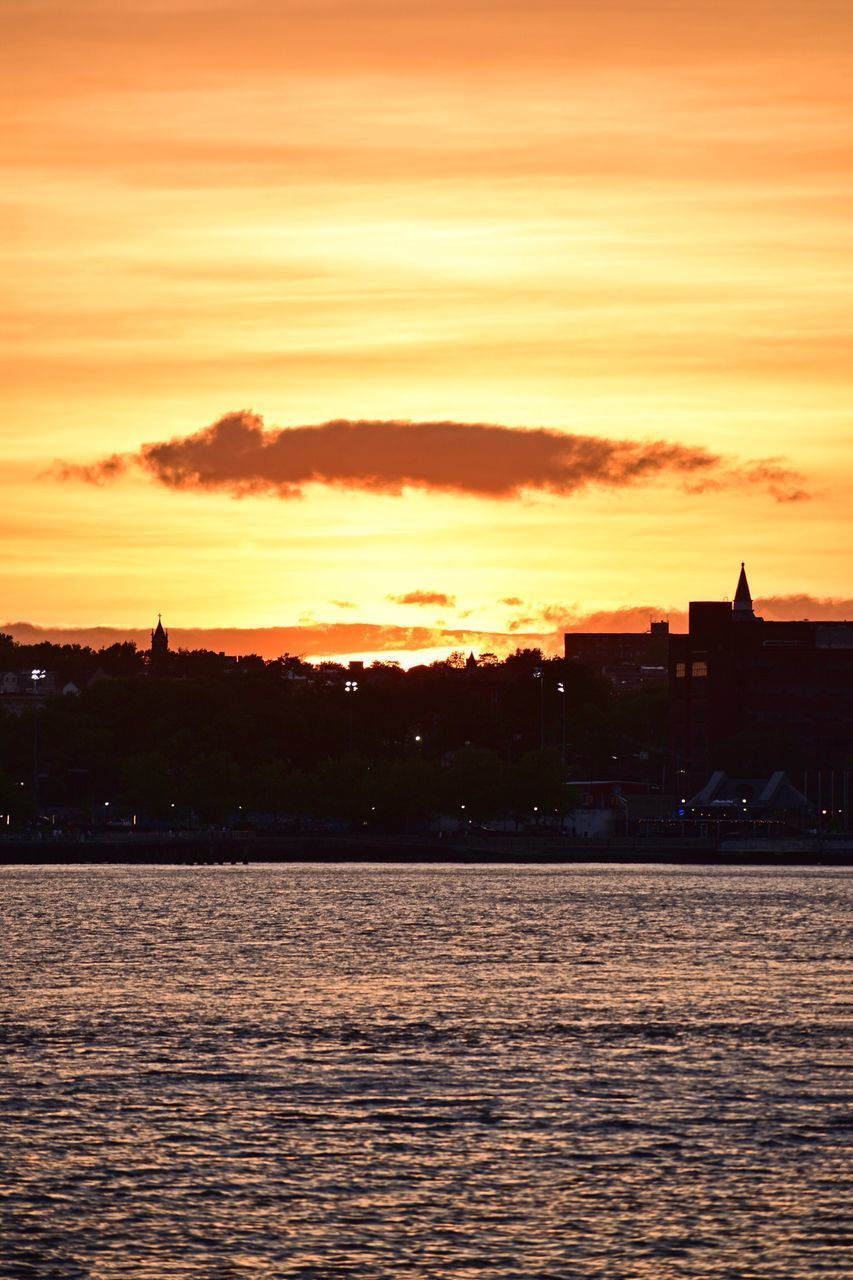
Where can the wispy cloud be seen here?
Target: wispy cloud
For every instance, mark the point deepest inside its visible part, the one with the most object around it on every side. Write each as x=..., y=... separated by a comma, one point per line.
x=552, y=621
x=311, y=639
x=237, y=454
x=308, y=639
x=795, y=608
x=556, y=620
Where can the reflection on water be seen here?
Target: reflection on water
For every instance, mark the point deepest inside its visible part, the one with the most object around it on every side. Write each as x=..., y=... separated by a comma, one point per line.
x=422, y=1072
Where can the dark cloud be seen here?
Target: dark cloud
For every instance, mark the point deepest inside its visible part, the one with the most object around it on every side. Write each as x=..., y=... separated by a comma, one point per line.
x=238, y=455
x=425, y=597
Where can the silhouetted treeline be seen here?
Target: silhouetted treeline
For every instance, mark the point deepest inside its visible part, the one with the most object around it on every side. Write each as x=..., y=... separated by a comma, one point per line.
x=217, y=736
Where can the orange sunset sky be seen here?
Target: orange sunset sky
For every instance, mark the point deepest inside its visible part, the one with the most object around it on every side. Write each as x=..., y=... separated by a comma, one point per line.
x=571, y=282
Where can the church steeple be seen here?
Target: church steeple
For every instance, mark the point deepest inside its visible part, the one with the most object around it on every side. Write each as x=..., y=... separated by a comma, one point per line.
x=742, y=610
x=159, y=636
x=159, y=646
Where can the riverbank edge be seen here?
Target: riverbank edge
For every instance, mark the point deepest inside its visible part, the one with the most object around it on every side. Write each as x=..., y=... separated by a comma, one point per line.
x=195, y=849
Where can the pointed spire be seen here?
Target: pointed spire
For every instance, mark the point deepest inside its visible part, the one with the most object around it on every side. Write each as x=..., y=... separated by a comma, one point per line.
x=742, y=608
x=159, y=636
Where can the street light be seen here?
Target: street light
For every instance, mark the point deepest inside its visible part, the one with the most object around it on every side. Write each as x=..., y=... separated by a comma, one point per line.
x=36, y=675
x=561, y=690
x=350, y=687
x=537, y=675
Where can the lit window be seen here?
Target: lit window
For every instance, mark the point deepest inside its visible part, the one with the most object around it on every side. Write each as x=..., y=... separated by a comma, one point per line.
x=699, y=669
x=680, y=670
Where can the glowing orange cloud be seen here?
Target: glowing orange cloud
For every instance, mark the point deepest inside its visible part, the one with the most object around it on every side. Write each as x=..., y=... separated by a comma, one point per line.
x=237, y=454
x=439, y=598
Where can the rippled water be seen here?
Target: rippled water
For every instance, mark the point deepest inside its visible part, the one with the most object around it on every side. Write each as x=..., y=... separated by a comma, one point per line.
x=423, y=1072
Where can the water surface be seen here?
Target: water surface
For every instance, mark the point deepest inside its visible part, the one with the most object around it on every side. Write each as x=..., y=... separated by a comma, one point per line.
x=420, y=1072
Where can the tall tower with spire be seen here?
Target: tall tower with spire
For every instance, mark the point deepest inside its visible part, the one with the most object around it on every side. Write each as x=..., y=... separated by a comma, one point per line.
x=742, y=610
x=159, y=648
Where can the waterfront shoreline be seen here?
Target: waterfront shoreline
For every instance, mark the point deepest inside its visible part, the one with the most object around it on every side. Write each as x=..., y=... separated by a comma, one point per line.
x=194, y=849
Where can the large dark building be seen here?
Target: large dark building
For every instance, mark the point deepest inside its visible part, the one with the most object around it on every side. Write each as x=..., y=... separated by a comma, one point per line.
x=745, y=693
x=628, y=659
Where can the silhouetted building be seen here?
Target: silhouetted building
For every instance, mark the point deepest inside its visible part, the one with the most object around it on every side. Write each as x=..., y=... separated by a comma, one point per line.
x=18, y=690
x=628, y=659
x=774, y=799
x=751, y=696
x=21, y=682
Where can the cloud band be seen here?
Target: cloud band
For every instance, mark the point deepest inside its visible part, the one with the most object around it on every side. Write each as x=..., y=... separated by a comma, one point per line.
x=239, y=455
